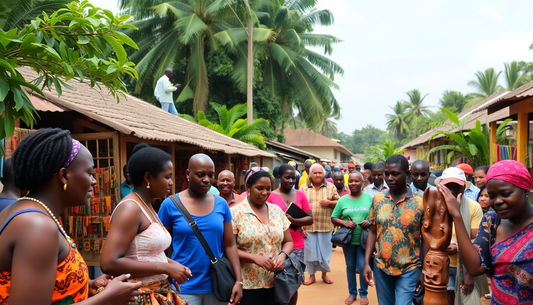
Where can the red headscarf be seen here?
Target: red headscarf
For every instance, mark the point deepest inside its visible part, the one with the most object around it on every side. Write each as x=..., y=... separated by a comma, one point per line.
x=510, y=171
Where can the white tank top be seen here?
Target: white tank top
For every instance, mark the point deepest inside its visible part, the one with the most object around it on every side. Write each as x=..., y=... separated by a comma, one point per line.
x=149, y=245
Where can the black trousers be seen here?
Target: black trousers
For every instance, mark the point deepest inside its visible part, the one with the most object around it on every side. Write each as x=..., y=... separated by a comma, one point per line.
x=258, y=297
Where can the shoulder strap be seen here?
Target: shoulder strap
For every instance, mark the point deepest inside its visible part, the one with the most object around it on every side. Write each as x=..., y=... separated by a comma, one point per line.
x=140, y=207
x=18, y=213
x=194, y=226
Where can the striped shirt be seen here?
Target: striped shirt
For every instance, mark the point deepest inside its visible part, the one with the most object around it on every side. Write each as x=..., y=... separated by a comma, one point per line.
x=321, y=215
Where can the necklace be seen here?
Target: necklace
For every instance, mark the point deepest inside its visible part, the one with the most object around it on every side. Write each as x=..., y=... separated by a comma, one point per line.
x=69, y=240
x=152, y=212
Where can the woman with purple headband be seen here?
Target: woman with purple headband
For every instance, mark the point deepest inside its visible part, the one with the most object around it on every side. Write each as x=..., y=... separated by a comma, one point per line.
x=39, y=262
x=504, y=244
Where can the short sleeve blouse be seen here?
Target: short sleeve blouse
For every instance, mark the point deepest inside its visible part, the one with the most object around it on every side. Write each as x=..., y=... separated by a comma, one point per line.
x=253, y=237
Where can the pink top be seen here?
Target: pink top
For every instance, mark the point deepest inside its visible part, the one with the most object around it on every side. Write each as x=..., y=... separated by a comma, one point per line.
x=302, y=203
x=149, y=246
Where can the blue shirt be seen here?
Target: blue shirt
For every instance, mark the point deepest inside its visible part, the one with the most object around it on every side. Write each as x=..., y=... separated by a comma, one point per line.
x=5, y=202
x=187, y=250
x=472, y=192
x=125, y=189
x=373, y=190
x=413, y=187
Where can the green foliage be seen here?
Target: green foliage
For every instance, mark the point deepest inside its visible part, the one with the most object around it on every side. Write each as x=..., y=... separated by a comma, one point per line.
x=73, y=42
x=397, y=122
x=382, y=151
x=486, y=83
x=18, y=13
x=230, y=125
x=454, y=101
x=472, y=144
x=515, y=75
x=361, y=139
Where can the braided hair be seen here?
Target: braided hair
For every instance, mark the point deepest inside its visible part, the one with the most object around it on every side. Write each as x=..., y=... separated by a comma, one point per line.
x=146, y=158
x=39, y=156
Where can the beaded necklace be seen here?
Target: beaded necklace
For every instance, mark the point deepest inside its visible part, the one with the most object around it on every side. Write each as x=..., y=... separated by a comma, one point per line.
x=69, y=240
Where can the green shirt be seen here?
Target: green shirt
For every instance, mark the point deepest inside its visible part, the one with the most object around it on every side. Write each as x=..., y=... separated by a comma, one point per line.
x=358, y=209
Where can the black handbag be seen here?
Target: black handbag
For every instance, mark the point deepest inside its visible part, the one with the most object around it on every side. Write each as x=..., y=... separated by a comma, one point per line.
x=343, y=236
x=364, y=237
x=288, y=280
x=222, y=275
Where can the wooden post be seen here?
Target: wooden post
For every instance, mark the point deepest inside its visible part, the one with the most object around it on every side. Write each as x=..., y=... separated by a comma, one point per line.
x=522, y=137
x=250, y=102
x=492, y=141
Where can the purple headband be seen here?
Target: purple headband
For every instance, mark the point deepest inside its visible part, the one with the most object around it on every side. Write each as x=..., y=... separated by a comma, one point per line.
x=76, y=145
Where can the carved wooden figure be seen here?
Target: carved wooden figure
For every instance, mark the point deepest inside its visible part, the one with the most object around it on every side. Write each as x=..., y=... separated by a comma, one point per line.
x=437, y=233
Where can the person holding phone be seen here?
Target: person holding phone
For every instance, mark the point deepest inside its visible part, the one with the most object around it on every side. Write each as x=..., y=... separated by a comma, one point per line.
x=352, y=210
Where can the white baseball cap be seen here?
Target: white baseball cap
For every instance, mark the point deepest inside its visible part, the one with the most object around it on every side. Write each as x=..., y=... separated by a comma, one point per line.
x=452, y=174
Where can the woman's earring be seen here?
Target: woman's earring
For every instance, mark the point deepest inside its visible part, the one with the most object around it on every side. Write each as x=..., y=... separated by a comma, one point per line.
x=64, y=187
x=148, y=186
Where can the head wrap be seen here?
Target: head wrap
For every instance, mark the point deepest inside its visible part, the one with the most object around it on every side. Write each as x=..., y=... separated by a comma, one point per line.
x=510, y=171
x=76, y=146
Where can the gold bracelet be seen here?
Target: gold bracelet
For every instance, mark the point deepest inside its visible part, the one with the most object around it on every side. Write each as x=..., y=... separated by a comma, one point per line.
x=100, y=289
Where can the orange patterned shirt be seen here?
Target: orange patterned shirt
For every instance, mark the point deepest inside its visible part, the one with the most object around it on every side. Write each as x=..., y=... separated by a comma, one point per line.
x=398, y=231
x=72, y=281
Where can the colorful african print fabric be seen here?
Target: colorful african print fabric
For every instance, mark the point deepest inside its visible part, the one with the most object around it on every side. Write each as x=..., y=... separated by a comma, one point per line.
x=159, y=293
x=398, y=231
x=71, y=281
x=509, y=262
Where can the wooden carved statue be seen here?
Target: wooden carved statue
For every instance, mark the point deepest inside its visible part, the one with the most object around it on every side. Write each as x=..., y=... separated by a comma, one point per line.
x=437, y=233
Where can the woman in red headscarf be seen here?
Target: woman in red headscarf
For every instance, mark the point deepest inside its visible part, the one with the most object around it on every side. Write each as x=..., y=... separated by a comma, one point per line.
x=504, y=244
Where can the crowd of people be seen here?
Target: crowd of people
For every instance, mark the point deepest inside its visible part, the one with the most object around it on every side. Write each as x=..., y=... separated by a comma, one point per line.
x=156, y=257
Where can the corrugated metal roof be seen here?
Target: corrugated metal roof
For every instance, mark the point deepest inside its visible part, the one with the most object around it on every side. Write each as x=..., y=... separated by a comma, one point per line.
x=133, y=116
x=43, y=105
x=518, y=94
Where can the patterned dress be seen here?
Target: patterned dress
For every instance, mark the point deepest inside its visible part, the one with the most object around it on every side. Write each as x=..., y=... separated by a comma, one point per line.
x=72, y=276
x=509, y=262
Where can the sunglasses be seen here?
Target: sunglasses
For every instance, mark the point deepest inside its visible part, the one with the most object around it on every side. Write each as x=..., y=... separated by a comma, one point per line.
x=256, y=169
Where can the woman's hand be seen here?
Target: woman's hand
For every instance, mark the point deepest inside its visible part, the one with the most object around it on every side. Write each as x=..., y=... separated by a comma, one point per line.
x=365, y=224
x=452, y=249
x=279, y=262
x=451, y=202
x=289, y=217
x=99, y=282
x=178, y=272
x=367, y=272
x=119, y=292
x=264, y=262
x=467, y=285
x=349, y=224
x=236, y=294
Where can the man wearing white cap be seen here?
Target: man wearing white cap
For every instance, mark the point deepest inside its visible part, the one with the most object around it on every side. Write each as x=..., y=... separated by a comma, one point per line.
x=163, y=92
x=454, y=179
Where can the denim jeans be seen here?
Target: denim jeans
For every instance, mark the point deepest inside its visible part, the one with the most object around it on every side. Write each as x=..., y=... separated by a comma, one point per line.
x=354, y=255
x=169, y=107
x=395, y=290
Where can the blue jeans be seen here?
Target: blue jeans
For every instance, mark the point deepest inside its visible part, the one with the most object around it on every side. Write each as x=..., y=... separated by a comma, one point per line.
x=169, y=107
x=354, y=256
x=395, y=290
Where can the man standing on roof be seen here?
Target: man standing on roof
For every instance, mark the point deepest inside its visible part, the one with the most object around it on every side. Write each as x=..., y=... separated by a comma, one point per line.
x=163, y=92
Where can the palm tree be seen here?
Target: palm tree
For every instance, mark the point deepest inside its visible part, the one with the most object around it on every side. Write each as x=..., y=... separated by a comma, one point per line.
x=17, y=13
x=292, y=72
x=230, y=125
x=454, y=101
x=514, y=75
x=397, y=122
x=327, y=127
x=415, y=108
x=486, y=84
x=170, y=31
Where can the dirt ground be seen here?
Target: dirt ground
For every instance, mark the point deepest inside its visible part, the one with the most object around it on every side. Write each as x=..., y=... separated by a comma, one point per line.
x=336, y=293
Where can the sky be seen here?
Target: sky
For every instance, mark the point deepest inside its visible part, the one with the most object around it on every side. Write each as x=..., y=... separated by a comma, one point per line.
x=391, y=47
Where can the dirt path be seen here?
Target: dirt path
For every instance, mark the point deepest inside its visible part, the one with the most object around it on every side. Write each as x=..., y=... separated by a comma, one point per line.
x=336, y=293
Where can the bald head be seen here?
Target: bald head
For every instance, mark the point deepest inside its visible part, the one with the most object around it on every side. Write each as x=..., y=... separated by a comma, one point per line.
x=200, y=160
x=226, y=174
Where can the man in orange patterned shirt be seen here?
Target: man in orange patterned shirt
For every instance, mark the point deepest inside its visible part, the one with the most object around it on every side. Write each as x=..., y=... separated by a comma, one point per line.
x=396, y=217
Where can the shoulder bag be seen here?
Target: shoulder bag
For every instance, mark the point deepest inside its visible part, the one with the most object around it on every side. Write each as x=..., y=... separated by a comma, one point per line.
x=288, y=280
x=343, y=236
x=222, y=275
